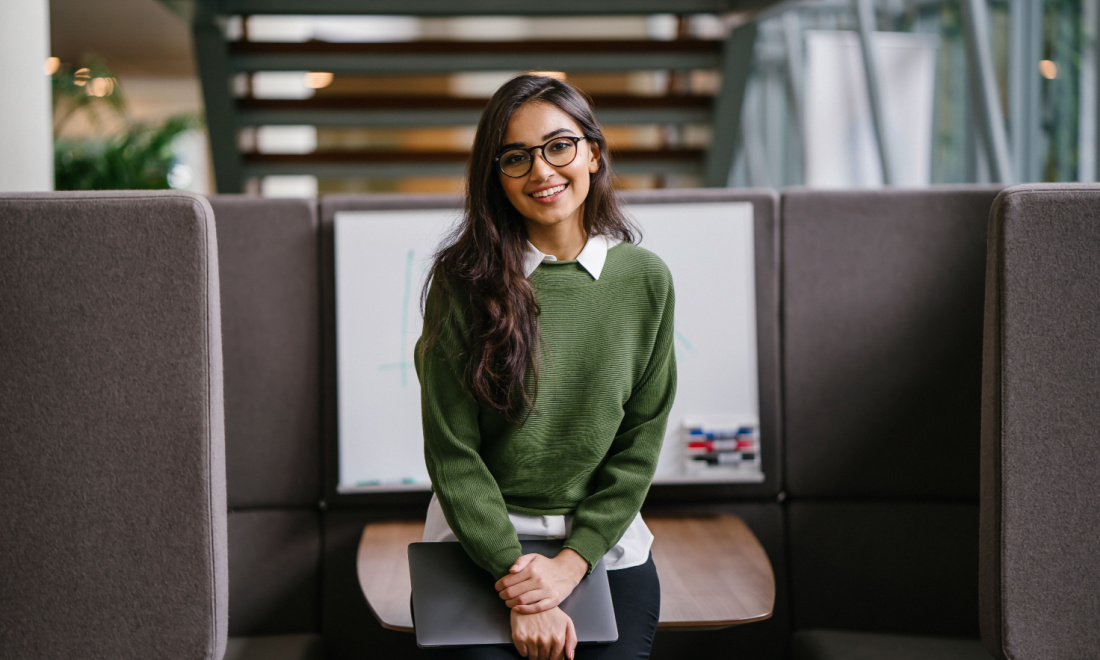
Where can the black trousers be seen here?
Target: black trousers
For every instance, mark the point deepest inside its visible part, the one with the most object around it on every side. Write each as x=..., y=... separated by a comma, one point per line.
x=636, y=593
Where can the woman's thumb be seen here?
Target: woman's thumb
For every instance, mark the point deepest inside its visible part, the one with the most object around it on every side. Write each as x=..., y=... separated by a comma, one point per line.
x=521, y=563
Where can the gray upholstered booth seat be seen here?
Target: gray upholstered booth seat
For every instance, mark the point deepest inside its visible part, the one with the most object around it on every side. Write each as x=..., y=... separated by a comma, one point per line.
x=271, y=323
x=1040, y=477
x=840, y=645
x=883, y=293
x=112, y=476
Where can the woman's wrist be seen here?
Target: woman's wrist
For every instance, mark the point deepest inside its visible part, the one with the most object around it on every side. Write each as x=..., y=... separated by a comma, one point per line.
x=574, y=563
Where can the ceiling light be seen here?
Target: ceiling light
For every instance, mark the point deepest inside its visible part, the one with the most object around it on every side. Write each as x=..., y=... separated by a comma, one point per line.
x=560, y=75
x=1048, y=69
x=100, y=87
x=52, y=65
x=318, y=79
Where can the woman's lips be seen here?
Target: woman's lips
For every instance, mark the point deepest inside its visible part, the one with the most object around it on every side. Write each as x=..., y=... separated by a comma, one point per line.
x=547, y=195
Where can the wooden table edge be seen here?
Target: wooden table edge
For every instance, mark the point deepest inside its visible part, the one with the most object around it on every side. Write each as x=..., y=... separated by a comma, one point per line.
x=693, y=626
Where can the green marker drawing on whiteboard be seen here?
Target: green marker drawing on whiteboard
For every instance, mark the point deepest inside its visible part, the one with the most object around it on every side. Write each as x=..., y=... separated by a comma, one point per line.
x=401, y=364
x=683, y=340
x=405, y=315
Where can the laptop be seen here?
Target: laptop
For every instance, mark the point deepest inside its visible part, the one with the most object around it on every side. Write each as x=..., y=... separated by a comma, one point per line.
x=455, y=604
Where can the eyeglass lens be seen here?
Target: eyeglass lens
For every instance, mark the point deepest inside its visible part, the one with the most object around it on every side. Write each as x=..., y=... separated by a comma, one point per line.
x=559, y=152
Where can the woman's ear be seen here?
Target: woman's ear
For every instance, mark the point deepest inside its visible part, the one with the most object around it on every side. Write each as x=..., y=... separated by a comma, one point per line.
x=593, y=157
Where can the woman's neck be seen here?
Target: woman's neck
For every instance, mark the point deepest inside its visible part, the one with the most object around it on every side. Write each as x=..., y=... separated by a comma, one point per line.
x=563, y=242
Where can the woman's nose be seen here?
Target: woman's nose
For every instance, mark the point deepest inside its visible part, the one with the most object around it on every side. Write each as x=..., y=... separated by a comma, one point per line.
x=539, y=167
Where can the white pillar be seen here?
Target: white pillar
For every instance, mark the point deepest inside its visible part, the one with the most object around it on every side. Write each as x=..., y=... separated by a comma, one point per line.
x=26, y=114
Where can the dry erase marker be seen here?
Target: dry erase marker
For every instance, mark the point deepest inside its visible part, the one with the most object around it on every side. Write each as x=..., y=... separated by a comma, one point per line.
x=722, y=445
x=719, y=459
x=721, y=434
x=725, y=458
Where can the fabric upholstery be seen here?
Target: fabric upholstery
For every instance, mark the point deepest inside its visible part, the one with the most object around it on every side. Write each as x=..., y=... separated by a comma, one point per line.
x=882, y=309
x=271, y=330
x=840, y=645
x=891, y=566
x=112, y=475
x=1040, y=574
x=275, y=569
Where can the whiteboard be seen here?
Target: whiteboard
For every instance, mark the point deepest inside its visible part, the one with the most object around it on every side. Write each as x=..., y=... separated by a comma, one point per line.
x=381, y=262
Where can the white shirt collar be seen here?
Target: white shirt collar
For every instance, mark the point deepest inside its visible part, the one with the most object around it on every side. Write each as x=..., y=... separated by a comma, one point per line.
x=592, y=256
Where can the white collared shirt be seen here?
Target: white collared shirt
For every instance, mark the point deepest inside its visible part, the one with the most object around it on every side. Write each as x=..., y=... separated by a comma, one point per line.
x=592, y=257
x=633, y=548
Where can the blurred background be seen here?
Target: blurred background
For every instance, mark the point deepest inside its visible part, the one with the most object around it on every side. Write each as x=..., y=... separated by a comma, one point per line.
x=259, y=96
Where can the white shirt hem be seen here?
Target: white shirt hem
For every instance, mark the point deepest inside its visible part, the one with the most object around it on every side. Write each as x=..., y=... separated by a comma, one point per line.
x=631, y=550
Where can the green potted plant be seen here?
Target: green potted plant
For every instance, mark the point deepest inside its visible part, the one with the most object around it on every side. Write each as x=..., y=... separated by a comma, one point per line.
x=135, y=156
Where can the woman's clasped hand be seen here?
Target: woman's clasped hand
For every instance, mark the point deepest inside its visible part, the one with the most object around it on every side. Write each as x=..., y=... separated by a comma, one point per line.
x=547, y=635
x=536, y=583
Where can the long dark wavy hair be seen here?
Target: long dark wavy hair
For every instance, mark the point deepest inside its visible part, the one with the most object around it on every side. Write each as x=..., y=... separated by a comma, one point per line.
x=482, y=259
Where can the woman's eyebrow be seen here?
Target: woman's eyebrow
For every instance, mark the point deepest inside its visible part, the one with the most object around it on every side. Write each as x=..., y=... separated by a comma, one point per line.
x=520, y=145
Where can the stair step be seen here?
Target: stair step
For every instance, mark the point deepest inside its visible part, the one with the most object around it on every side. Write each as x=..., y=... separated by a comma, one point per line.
x=448, y=8
x=386, y=163
x=458, y=56
x=393, y=111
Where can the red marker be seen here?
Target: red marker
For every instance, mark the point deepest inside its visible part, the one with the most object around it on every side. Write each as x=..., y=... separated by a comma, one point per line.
x=723, y=445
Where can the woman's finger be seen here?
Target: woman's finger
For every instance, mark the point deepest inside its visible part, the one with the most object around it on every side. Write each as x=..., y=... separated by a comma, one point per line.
x=529, y=597
x=570, y=640
x=557, y=648
x=525, y=591
x=522, y=562
x=516, y=573
x=536, y=607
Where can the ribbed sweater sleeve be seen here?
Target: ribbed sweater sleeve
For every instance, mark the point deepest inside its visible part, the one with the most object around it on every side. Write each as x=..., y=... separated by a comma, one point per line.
x=624, y=478
x=468, y=494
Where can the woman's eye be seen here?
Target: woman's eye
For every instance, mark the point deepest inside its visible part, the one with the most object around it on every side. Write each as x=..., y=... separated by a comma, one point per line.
x=561, y=145
x=514, y=158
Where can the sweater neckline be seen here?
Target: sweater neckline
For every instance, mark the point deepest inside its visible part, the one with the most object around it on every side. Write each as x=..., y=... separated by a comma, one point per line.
x=560, y=274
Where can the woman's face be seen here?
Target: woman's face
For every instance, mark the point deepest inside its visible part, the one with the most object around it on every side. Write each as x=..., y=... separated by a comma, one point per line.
x=548, y=196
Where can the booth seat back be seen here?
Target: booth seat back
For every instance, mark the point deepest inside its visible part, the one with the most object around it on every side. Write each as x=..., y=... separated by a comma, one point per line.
x=1040, y=574
x=271, y=330
x=870, y=512
x=882, y=340
x=112, y=476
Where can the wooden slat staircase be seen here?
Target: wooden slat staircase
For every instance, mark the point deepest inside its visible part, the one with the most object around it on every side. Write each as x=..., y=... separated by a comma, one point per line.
x=435, y=110
x=227, y=113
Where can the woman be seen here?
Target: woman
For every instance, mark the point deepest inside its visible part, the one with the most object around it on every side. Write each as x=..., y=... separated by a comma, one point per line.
x=547, y=373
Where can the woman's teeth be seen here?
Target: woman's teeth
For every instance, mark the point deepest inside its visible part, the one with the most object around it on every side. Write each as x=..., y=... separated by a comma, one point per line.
x=548, y=192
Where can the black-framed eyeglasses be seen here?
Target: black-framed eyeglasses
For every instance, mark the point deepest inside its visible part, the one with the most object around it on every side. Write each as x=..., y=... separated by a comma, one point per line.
x=558, y=152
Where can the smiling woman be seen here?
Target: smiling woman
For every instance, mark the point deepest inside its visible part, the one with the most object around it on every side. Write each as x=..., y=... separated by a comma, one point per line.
x=543, y=270
x=549, y=192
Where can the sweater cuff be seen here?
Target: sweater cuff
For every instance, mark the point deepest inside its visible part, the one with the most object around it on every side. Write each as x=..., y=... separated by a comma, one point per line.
x=499, y=563
x=588, y=544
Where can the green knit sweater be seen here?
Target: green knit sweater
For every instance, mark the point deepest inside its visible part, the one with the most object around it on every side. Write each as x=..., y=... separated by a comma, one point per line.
x=606, y=383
